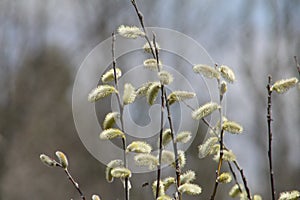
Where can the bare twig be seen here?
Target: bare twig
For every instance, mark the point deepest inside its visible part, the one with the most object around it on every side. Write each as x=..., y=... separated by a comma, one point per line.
x=161, y=121
x=234, y=176
x=243, y=178
x=177, y=167
x=269, y=120
x=141, y=20
x=297, y=65
x=218, y=171
x=121, y=109
x=76, y=185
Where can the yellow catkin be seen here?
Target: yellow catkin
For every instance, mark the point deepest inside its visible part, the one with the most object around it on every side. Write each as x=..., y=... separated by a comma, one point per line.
x=139, y=147
x=130, y=32
x=205, y=110
x=227, y=73
x=189, y=188
x=100, y=92
x=129, y=94
x=110, y=166
x=284, y=85
x=206, y=71
x=63, y=160
x=110, y=76
x=111, y=133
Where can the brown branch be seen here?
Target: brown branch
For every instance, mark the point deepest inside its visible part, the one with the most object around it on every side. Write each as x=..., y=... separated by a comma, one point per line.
x=234, y=177
x=269, y=121
x=141, y=20
x=161, y=122
x=243, y=178
x=177, y=167
x=121, y=109
x=76, y=185
x=297, y=65
x=218, y=171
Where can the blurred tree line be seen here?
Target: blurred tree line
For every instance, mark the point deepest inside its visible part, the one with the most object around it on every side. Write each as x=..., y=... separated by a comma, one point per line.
x=43, y=43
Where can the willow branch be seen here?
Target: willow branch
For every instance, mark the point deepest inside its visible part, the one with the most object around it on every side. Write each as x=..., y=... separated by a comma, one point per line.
x=297, y=65
x=177, y=167
x=141, y=20
x=121, y=109
x=161, y=122
x=234, y=176
x=269, y=121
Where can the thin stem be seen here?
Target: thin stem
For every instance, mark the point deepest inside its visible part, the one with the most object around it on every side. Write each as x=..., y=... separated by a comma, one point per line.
x=243, y=178
x=121, y=109
x=234, y=176
x=269, y=121
x=297, y=65
x=161, y=122
x=177, y=167
x=141, y=20
x=218, y=171
x=76, y=185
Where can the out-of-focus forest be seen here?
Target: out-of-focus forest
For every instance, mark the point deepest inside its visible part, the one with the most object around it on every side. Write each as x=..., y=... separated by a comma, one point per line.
x=42, y=44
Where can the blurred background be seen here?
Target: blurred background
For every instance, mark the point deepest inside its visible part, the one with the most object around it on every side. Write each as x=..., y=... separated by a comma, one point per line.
x=43, y=43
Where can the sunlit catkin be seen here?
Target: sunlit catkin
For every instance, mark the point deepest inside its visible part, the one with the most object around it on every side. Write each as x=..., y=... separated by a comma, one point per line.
x=129, y=94
x=130, y=32
x=225, y=177
x=187, y=177
x=111, y=133
x=110, y=166
x=207, y=71
x=110, y=76
x=284, y=85
x=232, y=127
x=189, y=188
x=289, y=195
x=47, y=160
x=227, y=73
x=205, y=110
x=100, y=92
x=63, y=160
x=139, y=147
x=110, y=120
x=177, y=96
x=153, y=92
